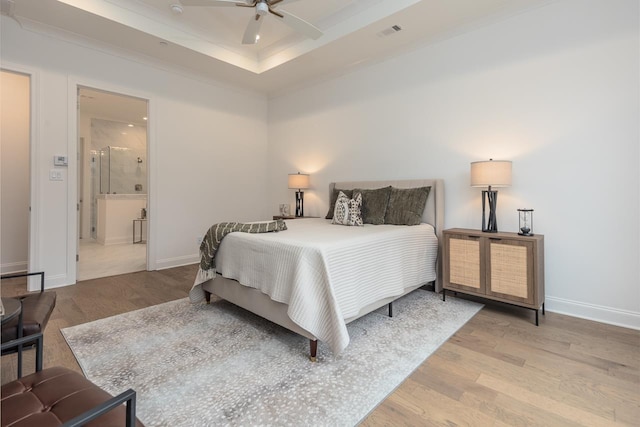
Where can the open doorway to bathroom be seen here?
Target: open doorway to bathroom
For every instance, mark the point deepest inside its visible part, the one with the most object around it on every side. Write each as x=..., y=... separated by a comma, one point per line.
x=112, y=184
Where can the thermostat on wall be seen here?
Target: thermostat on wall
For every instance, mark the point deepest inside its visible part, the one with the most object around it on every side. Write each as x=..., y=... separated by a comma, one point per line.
x=60, y=160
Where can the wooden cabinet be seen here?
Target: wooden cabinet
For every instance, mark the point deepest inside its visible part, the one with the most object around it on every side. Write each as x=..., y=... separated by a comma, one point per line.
x=501, y=266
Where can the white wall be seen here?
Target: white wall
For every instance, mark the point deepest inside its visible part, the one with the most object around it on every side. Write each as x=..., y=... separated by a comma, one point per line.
x=208, y=146
x=555, y=90
x=14, y=141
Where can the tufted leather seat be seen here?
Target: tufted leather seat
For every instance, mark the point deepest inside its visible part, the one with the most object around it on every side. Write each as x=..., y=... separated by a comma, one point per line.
x=52, y=397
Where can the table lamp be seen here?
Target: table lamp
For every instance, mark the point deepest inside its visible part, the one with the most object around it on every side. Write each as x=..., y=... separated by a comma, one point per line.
x=491, y=173
x=299, y=181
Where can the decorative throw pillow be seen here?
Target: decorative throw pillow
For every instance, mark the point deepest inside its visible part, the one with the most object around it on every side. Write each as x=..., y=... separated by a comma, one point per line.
x=332, y=200
x=406, y=205
x=347, y=211
x=374, y=204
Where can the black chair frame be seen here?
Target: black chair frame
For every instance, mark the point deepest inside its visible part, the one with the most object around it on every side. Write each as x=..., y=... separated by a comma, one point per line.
x=20, y=327
x=38, y=273
x=19, y=342
x=128, y=397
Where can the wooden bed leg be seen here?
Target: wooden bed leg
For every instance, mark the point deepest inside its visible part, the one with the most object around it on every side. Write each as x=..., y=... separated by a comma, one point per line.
x=313, y=350
x=207, y=296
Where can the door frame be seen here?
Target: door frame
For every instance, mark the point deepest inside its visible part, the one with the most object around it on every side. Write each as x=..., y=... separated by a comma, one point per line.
x=33, y=252
x=74, y=83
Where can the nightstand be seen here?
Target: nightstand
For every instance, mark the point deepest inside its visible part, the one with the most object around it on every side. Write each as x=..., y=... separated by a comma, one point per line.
x=501, y=266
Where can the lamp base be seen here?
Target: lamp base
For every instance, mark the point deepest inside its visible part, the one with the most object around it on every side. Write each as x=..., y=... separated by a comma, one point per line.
x=299, y=204
x=492, y=224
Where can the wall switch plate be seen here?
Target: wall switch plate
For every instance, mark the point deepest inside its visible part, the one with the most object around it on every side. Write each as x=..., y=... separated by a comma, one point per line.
x=55, y=175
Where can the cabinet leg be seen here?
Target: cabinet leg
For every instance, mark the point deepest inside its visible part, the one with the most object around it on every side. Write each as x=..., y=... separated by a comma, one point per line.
x=444, y=294
x=543, y=309
x=536, y=317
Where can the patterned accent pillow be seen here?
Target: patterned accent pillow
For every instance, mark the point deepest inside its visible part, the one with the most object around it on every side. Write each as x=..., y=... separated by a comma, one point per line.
x=334, y=197
x=348, y=211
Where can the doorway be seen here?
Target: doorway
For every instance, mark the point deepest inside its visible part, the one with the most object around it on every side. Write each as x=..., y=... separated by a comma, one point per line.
x=112, y=183
x=15, y=134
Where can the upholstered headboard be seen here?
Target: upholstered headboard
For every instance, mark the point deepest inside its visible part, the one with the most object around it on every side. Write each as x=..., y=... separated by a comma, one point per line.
x=433, y=213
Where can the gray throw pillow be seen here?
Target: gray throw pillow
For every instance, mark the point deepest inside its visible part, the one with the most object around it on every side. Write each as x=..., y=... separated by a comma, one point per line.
x=406, y=205
x=374, y=204
x=332, y=200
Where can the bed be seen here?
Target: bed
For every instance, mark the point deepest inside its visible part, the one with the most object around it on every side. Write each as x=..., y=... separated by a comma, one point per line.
x=316, y=277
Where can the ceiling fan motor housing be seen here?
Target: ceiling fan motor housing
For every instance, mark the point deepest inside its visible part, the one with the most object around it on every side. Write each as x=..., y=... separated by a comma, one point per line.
x=262, y=8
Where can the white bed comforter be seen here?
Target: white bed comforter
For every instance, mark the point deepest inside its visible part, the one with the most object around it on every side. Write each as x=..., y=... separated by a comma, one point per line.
x=327, y=273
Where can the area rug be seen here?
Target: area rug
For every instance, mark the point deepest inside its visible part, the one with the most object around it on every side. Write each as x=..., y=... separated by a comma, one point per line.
x=208, y=365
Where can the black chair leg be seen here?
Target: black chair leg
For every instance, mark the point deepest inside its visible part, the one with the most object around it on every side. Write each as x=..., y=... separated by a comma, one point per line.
x=38, y=338
x=39, y=354
x=20, y=333
x=20, y=329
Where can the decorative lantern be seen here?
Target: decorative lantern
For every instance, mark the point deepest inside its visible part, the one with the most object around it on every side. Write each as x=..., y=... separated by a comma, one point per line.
x=525, y=222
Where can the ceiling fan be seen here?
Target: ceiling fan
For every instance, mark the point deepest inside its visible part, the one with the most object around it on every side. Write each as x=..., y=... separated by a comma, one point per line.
x=263, y=7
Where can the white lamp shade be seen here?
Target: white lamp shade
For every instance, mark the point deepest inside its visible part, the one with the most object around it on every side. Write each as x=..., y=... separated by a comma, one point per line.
x=494, y=173
x=298, y=180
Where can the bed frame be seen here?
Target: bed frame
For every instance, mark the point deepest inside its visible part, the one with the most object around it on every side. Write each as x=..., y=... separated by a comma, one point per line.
x=261, y=304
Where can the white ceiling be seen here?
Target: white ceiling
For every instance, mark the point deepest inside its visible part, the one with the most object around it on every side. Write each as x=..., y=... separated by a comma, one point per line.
x=207, y=40
x=112, y=106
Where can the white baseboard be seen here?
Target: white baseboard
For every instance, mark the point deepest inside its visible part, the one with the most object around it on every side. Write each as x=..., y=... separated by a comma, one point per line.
x=163, y=264
x=56, y=281
x=598, y=313
x=14, y=267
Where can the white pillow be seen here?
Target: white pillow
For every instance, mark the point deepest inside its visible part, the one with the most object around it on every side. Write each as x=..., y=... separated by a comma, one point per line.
x=348, y=211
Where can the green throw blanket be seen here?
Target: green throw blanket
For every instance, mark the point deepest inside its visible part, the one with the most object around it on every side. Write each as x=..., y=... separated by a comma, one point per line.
x=211, y=243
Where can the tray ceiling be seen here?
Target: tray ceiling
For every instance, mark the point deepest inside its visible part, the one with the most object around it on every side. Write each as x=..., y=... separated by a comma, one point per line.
x=207, y=40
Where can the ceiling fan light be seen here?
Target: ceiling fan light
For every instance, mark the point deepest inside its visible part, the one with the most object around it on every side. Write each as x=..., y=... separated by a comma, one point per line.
x=257, y=37
x=262, y=8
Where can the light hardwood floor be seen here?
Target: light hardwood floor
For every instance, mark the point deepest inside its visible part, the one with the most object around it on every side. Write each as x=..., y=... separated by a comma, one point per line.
x=499, y=369
x=98, y=260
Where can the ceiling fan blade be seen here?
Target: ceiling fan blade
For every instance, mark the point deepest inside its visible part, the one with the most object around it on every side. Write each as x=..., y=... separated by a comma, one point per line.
x=280, y=2
x=252, y=30
x=299, y=24
x=218, y=3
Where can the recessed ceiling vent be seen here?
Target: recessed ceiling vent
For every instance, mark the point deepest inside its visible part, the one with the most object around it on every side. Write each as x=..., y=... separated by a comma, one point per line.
x=176, y=8
x=389, y=31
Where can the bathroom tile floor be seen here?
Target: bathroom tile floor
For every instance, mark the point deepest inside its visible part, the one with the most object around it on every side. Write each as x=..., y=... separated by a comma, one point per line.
x=98, y=260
